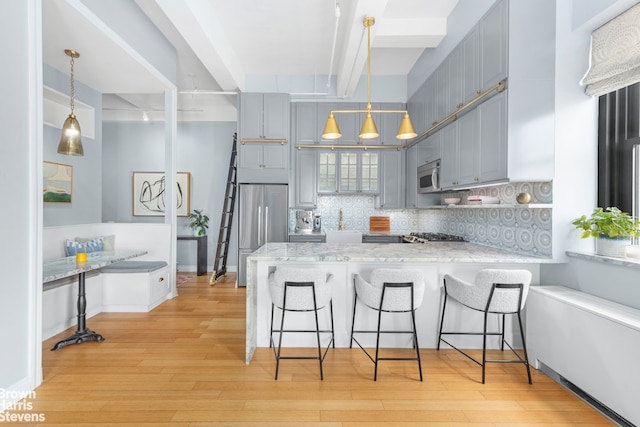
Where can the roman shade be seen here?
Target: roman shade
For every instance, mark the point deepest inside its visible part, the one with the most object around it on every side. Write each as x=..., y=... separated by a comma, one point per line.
x=615, y=54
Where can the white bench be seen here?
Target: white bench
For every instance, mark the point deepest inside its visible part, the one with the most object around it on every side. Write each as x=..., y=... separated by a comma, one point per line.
x=132, y=286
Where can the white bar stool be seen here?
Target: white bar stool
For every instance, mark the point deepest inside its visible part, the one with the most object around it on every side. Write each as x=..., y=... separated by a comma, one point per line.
x=300, y=290
x=390, y=291
x=495, y=291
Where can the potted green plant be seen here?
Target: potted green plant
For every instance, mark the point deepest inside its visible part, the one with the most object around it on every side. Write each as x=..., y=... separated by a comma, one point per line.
x=198, y=222
x=612, y=229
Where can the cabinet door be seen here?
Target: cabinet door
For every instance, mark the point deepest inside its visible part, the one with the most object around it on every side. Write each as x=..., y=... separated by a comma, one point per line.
x=348, y=124
x=493, y=45
x=449, y=164
x=391, y=180
x=275, y=116
x=469, y=63
x=454, y=80
x=390, y=123
x=251, y=126
x=327, y=172
x=416, y=108
x=250, y=156
x=322, y=113
x=369, y=172
x=468, y=149
x=430, y=149
x=306, y=181
x=274, y=156
x=442, y=90
x=306, y=123
x=411, y=160
x=431, y=111
x=492, y=117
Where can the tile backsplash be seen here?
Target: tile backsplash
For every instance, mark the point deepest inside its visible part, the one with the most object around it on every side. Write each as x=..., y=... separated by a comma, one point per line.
x=522, y=229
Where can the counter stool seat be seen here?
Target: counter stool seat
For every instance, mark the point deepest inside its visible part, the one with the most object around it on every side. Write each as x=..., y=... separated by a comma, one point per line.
x=295, y=289
x=494, y=291
x=390, y=291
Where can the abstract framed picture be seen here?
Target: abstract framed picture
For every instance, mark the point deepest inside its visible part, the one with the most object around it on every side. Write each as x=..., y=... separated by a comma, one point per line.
x=149, y=193
x=57, y=183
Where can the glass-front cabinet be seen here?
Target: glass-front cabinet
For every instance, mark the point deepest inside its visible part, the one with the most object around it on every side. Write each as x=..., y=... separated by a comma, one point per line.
x=349, y=172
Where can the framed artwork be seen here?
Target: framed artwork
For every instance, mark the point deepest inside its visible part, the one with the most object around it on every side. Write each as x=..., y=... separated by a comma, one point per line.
x=149, y=193
x=57, y=183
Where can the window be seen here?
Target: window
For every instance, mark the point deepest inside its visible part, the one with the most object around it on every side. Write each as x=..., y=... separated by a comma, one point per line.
x=618, y=141
x=348, y=172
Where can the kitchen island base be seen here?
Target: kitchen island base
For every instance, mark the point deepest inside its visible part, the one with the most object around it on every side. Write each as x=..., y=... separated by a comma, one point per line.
x=344, y=261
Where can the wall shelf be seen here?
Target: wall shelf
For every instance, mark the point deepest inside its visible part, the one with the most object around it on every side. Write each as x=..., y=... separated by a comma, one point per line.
x=496, y=206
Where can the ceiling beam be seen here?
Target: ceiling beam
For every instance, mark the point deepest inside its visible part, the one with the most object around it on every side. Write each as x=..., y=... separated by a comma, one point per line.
x=354, y=58
x=198, y=24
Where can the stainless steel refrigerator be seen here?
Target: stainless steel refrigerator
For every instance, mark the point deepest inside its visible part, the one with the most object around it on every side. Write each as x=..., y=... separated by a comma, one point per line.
x=263, y=217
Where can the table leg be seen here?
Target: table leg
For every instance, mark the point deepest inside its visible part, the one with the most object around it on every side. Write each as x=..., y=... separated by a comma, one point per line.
x=82, y=333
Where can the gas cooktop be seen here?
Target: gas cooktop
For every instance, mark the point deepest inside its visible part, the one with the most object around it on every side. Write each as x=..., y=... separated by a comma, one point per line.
x=419, y=237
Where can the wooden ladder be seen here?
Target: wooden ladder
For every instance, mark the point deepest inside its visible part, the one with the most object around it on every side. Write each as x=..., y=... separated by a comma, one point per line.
x=226, y=220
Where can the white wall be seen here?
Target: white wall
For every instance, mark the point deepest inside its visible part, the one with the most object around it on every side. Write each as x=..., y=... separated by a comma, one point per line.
x=86, y=200
x=204, y=150
x=21, y=209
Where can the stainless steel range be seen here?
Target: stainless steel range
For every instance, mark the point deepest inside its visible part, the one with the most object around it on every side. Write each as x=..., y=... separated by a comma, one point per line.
x=419, y=237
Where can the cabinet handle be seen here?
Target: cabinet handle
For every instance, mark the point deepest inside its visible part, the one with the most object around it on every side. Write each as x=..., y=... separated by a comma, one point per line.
x=479, y=91
x=476, y=179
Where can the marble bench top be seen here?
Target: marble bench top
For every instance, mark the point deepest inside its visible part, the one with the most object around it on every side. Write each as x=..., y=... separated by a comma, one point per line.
x=441, y=252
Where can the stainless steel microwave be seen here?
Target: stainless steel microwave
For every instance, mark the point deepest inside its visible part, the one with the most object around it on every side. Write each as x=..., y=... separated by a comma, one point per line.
x=429, y=177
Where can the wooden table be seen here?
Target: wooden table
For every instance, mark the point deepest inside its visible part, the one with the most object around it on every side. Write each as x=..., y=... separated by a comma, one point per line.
x=66, y=267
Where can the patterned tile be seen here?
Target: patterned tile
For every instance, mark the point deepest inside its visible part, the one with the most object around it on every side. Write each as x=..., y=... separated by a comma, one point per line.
x=521, y=230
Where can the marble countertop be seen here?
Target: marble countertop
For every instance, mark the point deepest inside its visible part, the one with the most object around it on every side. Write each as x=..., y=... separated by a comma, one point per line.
x=65, y=267
x=444, y=252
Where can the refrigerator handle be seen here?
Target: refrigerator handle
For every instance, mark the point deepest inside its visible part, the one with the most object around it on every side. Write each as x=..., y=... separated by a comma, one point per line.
x=259, y=225
x=266, y=222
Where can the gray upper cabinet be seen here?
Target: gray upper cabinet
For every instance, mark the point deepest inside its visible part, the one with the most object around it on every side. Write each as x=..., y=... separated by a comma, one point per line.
x=306, y=123
x=417, y=109
x=469, y=65
x=475, y=146
x=449, y=171
x=492, y=120
x=468, y=149
x=264, y=116
x=493, y=45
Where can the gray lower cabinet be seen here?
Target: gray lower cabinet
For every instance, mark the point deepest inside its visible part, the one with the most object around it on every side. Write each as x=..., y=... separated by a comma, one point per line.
x=411, y=198
x=307, y=238
x=373, y=238
x=306, y=179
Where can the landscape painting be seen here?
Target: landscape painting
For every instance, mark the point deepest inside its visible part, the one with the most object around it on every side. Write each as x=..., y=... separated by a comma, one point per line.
x=57, y=182
x=149, y=193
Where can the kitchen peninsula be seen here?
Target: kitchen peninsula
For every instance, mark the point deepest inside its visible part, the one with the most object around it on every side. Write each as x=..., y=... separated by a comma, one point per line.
x=462, y=259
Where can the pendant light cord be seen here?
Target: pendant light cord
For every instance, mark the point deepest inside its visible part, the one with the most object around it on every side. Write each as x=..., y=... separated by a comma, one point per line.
x=73, y=88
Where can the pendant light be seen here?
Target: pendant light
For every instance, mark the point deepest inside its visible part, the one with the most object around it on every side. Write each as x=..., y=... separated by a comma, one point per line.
x=70, y=142
x=369, y=129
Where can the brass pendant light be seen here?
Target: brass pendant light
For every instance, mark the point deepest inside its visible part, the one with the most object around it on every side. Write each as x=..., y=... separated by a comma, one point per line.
x=70, y=141
x=369, y=129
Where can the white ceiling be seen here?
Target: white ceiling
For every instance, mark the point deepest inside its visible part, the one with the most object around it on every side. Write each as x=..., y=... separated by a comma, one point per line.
x=223, y=43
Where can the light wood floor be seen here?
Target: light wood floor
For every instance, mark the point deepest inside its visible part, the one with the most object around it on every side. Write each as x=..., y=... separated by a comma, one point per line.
x=183, y=364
